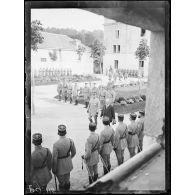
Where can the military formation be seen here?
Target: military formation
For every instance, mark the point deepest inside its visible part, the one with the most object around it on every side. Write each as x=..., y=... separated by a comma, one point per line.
x=98, y=147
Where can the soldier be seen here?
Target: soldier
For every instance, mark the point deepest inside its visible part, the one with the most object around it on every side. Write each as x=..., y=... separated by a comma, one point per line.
x=63, y=152
x=59, y=89
x=106, y=144
x=75, y=94
x=110, y=93
x=102, y=96
x=94, y=89
x=120, y=139
x=132, y=139
x=86, y=93
x=140, y=129
x=93, y=108
x=108, y=110
x=70, y=91
x=65, y=90
x=40, y=163
x=91, y=156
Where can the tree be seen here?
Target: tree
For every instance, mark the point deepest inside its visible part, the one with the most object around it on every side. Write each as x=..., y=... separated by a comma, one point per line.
x=53, y=55
x=36, y=37
x=80, y=50
x=97, y=53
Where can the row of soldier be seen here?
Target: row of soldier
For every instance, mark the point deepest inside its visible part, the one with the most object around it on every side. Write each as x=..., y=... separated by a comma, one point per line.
x=96, y=146
x=42, y=72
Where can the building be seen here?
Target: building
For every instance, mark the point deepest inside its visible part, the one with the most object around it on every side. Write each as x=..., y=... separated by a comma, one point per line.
x=121, y=42
x=59, y=52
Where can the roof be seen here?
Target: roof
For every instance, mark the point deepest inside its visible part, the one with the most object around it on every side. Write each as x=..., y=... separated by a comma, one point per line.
x=57, y=41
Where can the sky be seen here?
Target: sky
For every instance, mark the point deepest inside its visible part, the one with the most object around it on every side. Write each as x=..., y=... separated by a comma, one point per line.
x=68, y=18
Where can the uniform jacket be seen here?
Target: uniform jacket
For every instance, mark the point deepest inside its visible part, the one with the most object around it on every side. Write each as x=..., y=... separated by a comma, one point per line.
x=59, y=87
x=94, y=106
x=41, y=160
x=106, y=140
x=70, y=89
x=86, y=93
x=60, y=149
x=109, y=112
x=132, y=140
x=92, y=147
x=75, y=91
x=120, y=137
x=140, y=128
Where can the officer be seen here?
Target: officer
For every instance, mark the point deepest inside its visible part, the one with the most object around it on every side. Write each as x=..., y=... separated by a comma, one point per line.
x=41, y=160
x=70, y=91
x=63, y=152
x=59, y=89
x=132, y=139
x=120, y=139
x=110, y=93
x=108, y=110
x=86, y=93
x=91, y=157
x=65, y=90
x=75, y=94
x=102, y=96
x=106, y=144
x=140, y=129
x=93, y=108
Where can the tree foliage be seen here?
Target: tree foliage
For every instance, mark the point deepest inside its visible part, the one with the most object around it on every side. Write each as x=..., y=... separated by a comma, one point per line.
x=80, y=50
x=143, y=50
x=97, y=53
x=86, y=37
x=36, y=37
x=53, y=55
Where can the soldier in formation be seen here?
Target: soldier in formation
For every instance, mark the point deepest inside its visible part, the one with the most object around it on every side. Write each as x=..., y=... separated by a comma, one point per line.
x=132, y=139
x=75, y=92
x=70, y=92
x=41, y=162
x=59, y=89
x=102, y=97
x=91, y=157
x=106, y=144
x=63, y=152
x=65, y=90
x=120, y=139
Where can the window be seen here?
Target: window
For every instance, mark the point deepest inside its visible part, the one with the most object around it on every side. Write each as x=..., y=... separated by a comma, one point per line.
x=116, y=64
x=117, y=34
x=143, y=31
x=119, y=48
x=43, y=59
x=114, y=48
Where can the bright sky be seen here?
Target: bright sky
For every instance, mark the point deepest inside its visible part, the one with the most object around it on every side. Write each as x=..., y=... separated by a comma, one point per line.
x=68, y=18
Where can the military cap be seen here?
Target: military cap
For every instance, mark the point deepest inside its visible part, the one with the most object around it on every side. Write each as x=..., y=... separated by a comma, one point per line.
x=142, y=112
x=133, y=116
x=92, y=126
x=37, y=138
x=121, y=115
x=61, y=129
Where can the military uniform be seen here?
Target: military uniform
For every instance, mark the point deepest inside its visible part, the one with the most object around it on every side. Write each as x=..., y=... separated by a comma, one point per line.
x=75, y=94
x=63, y=152
x=95, y=90
x=86, y=93
x=132, y=139
x=102, y=97
x=92, y=147
x=140, y=130
x=106, y=145
x=65, y=91
x=120, y=141
x=59, y=90
x=40, y=164
x=93, y=109
x=70, y=92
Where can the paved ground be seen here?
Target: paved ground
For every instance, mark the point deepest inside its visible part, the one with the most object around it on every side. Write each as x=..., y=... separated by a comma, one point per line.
x=49, y=113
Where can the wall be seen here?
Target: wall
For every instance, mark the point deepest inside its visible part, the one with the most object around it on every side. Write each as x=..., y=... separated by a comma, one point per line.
x=69, y=60
x=155, y=104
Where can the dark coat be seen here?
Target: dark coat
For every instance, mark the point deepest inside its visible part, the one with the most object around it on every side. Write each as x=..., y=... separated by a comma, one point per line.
x=109, y=112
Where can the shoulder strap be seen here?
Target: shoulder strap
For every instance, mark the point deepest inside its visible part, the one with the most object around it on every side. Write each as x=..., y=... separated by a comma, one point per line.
x=93, y=149
x=124, y=132
x=43, y=164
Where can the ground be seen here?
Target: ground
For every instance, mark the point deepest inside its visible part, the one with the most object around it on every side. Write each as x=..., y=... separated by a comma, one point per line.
x=49, y=113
